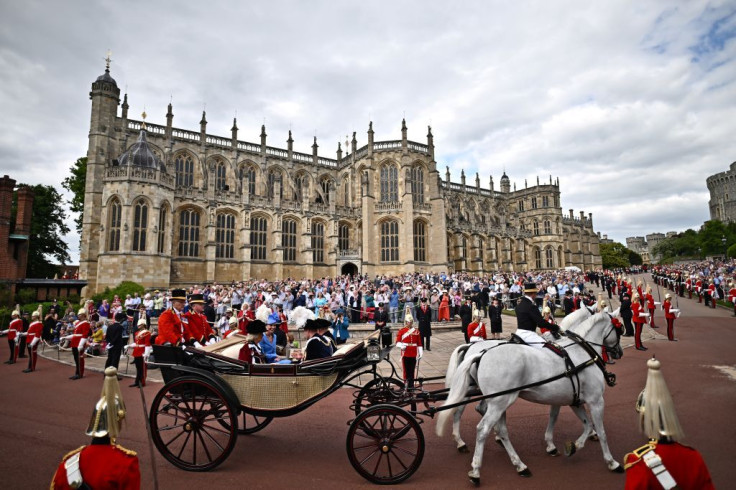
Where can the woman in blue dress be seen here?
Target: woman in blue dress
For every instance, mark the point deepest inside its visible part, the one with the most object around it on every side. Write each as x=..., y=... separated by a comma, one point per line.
x=268, y=346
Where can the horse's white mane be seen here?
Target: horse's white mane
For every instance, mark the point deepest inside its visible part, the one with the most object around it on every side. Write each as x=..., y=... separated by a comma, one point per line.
x=574, y=318
x=584, y=327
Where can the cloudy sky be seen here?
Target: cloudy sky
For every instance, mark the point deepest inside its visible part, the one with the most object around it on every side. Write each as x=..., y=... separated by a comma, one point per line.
x=630, y=104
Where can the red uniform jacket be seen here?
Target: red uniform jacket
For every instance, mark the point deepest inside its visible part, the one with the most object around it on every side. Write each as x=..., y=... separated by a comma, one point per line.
x=409, y=336
x=698, y=286
x=14, y=328
x=477, y=329
x=103, y=466
x=732, y=295
x=170, y=328
x=685, y=464
x=712, y=290
x=196, y=327
x=650, y=301
x=35, y=329
x=82, y=330
x=667, y=305
x=636, y=310
x=142, y=340
x=549, y=320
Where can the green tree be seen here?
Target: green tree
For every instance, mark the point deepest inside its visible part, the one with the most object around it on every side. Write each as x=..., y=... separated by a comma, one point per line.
x=614, y=255
x=47, y=230
x=75, y=184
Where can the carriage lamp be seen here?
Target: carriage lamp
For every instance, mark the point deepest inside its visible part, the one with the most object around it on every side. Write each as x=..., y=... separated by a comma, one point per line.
x=373, y=351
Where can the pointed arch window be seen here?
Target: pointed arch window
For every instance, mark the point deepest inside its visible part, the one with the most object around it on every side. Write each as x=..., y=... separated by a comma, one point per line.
x=184, y=167
x=389, y=241
x=162, y=219
x=550, y=258
x=420, y=241
x=274, y=177
x=299, y=188
x=318, y=242
x=346, y=192
x=537, y=257
x=463, y=247
x=343, y=237
x=417, y=185
x=545, y=201
x=536, y=227
x=325, y=185
x=249, y=173
x=258, y=235
x=115, y=211
x=521, y=205
x=189, y=220
x=547, y=227
x=389, y=183
x=225, y=236
x=534, y=203
x=288, y=239
x=140, y=225
x=220, y=176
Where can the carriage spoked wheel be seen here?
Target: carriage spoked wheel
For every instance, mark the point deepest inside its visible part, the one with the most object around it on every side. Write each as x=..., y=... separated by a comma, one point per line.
x=250, y=424
x=385, y=444
x=377, y=391
x=192, y=424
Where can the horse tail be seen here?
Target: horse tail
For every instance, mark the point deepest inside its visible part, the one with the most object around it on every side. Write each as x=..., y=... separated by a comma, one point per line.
x=458, y=390
x=455, y=359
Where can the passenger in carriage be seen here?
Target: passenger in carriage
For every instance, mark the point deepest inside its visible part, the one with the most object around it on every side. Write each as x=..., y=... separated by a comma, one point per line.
x=269, y=343
x=251, y=351
x=317, y=346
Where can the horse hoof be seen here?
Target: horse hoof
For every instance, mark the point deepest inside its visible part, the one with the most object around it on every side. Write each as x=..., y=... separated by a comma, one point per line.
x=525, y=473
x=463, y=449
x=570, y=448
x=553, y=452
x=618, y=469
x=475, y=480
x=593, y=437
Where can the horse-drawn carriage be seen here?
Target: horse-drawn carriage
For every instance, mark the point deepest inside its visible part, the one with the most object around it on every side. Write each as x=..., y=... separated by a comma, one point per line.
x=210, y=397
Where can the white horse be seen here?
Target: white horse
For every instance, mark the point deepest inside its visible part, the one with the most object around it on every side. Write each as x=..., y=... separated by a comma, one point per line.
x=515, y=368
x=464, y=350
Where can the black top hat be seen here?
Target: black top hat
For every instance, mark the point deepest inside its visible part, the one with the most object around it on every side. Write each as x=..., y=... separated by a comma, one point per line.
x=530, y=287
x=255, y=327
x=316, y=324
x=196, y=298
x=568, y=293
x=120, y=316
x=179, y=294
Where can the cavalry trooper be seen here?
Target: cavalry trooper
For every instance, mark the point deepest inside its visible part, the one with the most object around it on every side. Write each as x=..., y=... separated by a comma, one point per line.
x=172, y=323
x=528, y=318
x=409, y=341
x=82, y=332
x=477, y=329
x=663, y=462
x=141, y=350
x=101, y=464
x=14, y=328
x=33, y=337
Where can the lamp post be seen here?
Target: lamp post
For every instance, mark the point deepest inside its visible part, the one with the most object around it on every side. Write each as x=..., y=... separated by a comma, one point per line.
x=723, y=241
x=699, y=251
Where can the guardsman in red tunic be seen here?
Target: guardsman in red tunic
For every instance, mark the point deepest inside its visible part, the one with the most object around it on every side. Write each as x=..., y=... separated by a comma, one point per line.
x=669, y=314
x=689, y=287
x=638, y=319
x=699, y=290
x=732, y=295
x=14, y=328
x=410, y=343
x=713, y=293
x=141, y=350
x=477, y=329
x=33, y=337
x=198, y=331
x=172, y=323
x=649, y=301
x=78, y=342
x=102, y=464
x=547, y=315
x=663, y=462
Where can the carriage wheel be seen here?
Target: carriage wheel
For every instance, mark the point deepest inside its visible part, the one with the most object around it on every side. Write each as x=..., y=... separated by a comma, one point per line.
x=377, y=391
x=385, y=444
x=192, y=424
x=250, y=424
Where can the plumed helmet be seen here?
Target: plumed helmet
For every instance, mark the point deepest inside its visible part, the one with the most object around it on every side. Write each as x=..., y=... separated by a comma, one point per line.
x=232, y=321
x=408, y=318
x=16, y=311
x=262, y=313
x=142, y=321
x=300, y=315
x=657, y=417
x=37, y=313
x=668, y=296
x=546, y=310
x=107, y=417
x=477, y=313
x=82, y=311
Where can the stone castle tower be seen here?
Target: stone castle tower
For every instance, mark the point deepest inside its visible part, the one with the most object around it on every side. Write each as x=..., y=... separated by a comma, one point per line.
x=722, y=187
x=166, y=206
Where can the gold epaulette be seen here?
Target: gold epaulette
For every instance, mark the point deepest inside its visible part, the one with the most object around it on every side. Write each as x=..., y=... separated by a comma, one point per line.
x=129, y=452
x=72, y=453
x=639, y=453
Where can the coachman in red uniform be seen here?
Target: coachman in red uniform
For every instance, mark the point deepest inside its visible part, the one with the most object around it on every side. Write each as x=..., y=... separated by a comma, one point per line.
x=663, y=462
x=197, y=331
x=410, y=343
x=102, y=464
x=78, y=342
x=14, y=328
x=172, y=323
x=33, y=337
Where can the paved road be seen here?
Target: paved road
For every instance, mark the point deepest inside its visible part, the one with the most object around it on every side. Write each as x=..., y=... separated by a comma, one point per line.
x=44, y=415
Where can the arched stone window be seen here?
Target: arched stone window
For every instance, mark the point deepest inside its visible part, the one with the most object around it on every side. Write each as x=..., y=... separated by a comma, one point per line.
x=420, y=241
x=537, y=258
x=140, y=225
x=389, y=183
x=189, y=233
x=163, y=216
x=325, y=185
x=115, y=213
x=417, y=185
x=550, y=258
x=389, y=241
x=258, y=236
x=299, y=187
x=545, y=201
x=225, y=236
x=536, y=227
x=288, y=239
x=534, y=203
x=273, y=177
x=343, y=237
x=220, y=176
x=547, y=227
x=184, y=167
x=248, y=172
x=318, y=242
x=463, y=247
x=521, y=205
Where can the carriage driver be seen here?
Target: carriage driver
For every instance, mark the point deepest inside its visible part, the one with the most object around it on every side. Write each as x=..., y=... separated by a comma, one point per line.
x=528, y=318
